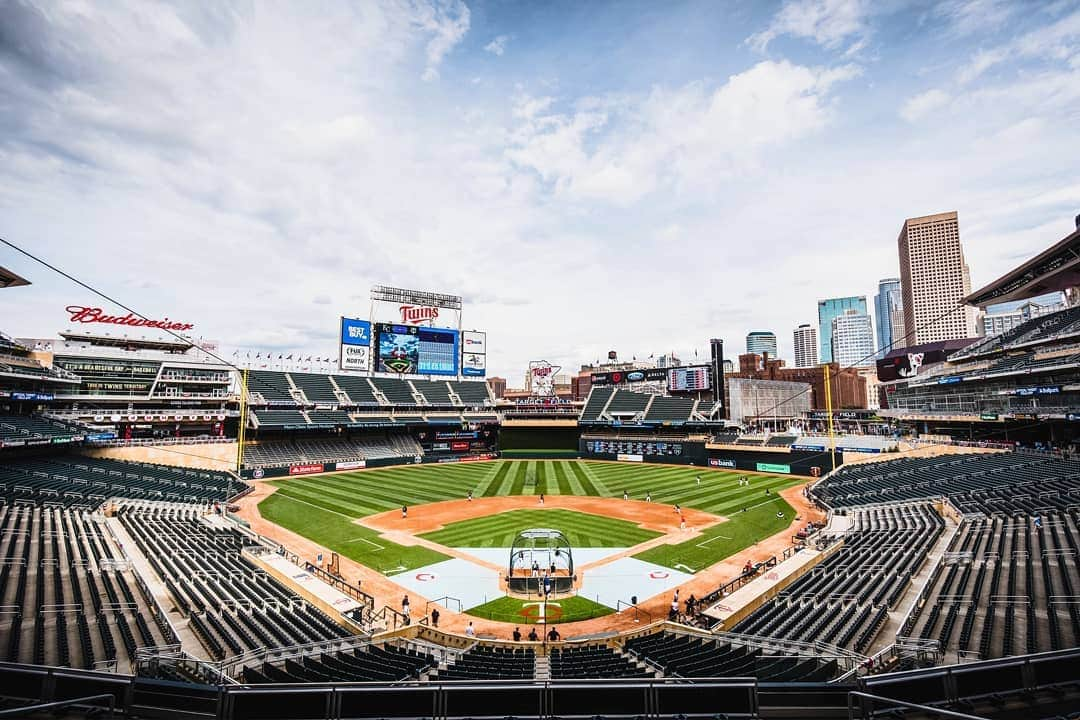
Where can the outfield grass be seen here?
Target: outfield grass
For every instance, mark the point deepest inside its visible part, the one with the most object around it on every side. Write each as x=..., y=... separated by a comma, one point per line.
x=581, y=529
x=345, y=537
x=723, y=540
x=526, y=612
x=352, y=495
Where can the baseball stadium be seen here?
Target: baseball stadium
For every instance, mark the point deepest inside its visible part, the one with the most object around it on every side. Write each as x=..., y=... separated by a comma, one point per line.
x=387, y=536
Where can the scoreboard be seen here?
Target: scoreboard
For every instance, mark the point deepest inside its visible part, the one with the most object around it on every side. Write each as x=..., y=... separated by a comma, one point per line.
x=692, y=378
x=406, y=349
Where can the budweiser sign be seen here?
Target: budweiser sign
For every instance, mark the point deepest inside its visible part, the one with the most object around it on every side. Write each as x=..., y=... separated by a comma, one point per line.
x=80, y=314
x=416, y=314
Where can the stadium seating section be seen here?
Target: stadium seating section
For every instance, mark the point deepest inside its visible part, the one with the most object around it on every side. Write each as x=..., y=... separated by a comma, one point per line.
x=607, y=404
x=276, y=453
x=491, y=663
x=1045, y=329
x=307, y=389
x=34, y=427
x=987, y=482
x=594, y=662
x=374, y=663
x=990, y=595
x=77, y=481
x=845, y=599
x=693, y=656
x=233, y=606
x=73, y=600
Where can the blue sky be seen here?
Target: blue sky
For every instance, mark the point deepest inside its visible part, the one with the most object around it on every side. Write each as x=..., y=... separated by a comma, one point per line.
x=590, y=176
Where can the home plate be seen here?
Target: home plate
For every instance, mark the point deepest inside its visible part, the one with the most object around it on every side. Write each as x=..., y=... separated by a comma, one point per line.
x=462, y=580
x=629, y=577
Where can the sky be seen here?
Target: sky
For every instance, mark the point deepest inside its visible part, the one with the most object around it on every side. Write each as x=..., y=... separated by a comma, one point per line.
x=629, y=176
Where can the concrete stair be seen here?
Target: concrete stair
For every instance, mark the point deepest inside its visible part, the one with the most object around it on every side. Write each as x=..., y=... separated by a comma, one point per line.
x=542, y=671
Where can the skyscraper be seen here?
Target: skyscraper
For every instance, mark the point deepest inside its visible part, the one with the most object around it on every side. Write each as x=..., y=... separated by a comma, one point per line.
x=852, y=339
x=934, y=279
x=806, y=346
x=829, y=309
x=761, y=341
x=889, y=314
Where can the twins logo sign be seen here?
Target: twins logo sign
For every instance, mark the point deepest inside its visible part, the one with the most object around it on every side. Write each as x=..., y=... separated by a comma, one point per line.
x=542, y=374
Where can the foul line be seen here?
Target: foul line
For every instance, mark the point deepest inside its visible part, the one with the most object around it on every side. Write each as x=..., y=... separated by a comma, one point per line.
x=320, y=507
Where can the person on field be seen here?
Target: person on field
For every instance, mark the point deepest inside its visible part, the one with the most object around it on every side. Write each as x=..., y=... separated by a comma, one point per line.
x=698, y=478
x=469, y=497
x=404, y=512
x=625, y=495
x=553, y=634
x=541, y=498
x=682, y=523
x=435, y=617
x=648, y=497
x=517, y=635
x=470, y=631
x=533, y=637
x=677, y=508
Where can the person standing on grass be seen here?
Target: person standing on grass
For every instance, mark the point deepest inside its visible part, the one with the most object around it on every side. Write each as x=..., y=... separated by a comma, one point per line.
x=625, y=495
x=648, y=497
x=698, y=478
x=469, y=497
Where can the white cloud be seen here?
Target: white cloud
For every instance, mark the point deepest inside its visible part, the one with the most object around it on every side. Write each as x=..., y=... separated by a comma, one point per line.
x=447, y=21
x=827, y=22
x=967, y=17
x=921, y=105
x=238, y=169
x=621, y=149
x=498, y=45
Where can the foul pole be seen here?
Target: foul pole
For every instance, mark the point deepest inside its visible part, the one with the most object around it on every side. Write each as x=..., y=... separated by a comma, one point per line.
x=241, y=431
x=829, y=409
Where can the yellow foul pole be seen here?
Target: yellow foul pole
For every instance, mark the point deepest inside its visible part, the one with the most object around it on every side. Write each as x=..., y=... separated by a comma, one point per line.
x=829, y=409
x=243, y=421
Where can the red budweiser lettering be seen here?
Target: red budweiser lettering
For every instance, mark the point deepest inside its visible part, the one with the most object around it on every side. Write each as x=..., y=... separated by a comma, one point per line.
x=80, y=314
x=416, y=314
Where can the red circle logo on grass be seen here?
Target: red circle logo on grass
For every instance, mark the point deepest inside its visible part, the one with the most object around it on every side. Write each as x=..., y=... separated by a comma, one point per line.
x=531, y=613
x=425, y=577
x=659, y=574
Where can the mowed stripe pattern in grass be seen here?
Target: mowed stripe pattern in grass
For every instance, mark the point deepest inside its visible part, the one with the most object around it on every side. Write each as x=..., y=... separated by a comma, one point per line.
x=580, y=529
x=363, y=493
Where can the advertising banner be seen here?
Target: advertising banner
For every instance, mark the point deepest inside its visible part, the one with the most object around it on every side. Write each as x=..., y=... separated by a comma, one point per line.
x=355, y=349
x=459, y=446
x=473, y=365
x=307, y=469
x=624, y=457
x=771, y=468
x=473, y=341
x=352, y=465
x=721, y=462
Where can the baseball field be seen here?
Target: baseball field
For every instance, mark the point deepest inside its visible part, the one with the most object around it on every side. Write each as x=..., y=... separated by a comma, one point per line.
x=327, y=508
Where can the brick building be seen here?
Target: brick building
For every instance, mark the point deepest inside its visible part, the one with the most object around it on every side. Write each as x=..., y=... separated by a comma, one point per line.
x=848, y=387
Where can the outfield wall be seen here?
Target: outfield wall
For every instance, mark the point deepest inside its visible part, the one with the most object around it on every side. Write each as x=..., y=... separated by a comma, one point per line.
x=791, y=462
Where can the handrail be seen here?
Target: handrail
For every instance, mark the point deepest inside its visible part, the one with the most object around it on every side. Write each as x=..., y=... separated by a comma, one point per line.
x=26, y=709
x=937, y=712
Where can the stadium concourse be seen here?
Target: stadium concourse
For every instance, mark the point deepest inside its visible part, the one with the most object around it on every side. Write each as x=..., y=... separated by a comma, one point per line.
x=431, y=517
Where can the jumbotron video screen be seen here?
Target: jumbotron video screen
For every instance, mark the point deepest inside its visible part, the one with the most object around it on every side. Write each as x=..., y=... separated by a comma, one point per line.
x=406, y=349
